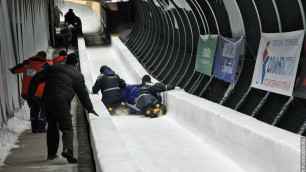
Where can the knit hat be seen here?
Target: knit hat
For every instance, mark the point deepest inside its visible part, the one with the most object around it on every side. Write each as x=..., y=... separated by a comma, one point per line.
x=63, y=53
x=42, y=54
x=72, y=59
x=146, y=78
x=103, y=68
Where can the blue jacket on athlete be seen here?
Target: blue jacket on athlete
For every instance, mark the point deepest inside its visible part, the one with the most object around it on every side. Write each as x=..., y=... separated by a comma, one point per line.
x=110, y=84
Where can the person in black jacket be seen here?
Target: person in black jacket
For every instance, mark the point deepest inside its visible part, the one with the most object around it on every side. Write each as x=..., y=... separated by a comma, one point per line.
x=62, y=82
x=70, y=17
x=147, y=101
x=68, y=32
x=110, y=84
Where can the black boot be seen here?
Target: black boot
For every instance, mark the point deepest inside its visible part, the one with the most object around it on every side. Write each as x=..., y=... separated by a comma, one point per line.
x=69, y=156
x=52, y=157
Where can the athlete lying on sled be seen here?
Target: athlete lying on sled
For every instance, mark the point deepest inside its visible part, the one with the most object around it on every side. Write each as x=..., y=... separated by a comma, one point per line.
x=145, y=98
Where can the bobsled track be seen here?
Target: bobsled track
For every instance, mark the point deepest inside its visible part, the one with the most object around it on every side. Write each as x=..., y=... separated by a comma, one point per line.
x=159, y=144
x=195, y=135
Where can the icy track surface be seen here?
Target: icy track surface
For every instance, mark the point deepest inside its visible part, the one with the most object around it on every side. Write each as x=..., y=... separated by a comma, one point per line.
x=158, y=144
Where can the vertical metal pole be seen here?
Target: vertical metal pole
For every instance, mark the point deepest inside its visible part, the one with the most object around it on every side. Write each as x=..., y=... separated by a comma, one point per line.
x=243, y=98
x=206, y=86
x=282, y=112
x=260, y=104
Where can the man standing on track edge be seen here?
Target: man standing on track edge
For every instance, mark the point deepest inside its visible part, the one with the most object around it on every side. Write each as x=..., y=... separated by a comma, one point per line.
x=62, y=82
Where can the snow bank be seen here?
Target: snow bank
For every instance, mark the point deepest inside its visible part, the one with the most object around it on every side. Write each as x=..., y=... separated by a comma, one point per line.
x=9, y=133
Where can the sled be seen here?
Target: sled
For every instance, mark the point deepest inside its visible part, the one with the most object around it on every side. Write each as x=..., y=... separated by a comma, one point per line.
x=129, y=95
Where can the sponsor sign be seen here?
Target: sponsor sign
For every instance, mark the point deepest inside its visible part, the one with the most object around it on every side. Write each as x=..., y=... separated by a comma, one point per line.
x=206, y=53
x=277, y=62
x=227, y=56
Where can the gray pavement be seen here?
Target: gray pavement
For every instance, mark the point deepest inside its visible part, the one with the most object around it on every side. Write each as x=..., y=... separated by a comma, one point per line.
x=31, y=154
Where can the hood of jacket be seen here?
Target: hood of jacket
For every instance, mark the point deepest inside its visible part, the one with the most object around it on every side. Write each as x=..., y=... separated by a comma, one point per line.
x=37, y=62
x=109, y=71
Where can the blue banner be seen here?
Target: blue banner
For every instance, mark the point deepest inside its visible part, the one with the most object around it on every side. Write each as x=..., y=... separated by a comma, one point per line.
x=226, y=58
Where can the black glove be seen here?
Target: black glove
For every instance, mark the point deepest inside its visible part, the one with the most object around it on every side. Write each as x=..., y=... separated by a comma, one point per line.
x=93, y=112
x=170, y=87
x=30, y=102
x=12, y=71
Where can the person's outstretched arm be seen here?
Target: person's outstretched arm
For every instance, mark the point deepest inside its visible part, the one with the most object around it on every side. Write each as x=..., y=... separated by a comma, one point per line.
x=83, y=95
x=160, y=87
x=19, y=68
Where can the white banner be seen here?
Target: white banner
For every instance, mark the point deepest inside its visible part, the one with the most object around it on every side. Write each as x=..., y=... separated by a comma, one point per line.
x=277, y=61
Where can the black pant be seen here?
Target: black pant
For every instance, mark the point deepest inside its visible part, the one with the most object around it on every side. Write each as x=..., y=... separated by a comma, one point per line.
x=113, y=105
x=58, y=120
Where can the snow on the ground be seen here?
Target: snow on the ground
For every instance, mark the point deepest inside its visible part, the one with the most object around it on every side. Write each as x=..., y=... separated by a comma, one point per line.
x=9, y=133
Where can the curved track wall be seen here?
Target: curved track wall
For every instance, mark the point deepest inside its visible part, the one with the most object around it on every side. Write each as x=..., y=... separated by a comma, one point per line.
x=24, y=31
x=164, y=40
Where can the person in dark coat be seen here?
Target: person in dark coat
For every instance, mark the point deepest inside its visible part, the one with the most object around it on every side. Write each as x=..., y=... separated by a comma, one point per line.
x=29, y=68
x=70, y=17
x=62, y=82
x=67, y=31
x=147, y=101
x=110, y=84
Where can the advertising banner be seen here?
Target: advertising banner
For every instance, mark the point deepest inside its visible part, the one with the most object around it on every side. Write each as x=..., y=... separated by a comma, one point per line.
x=206, y=53
x=227, y=56
x=277, y=62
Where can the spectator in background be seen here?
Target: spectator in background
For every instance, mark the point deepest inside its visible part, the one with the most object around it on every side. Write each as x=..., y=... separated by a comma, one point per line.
x=57, y=13
x=67, y=32
x=70, y=17
x=110, y=84
x=62, y=82
x=29, y=68
x=61, y=59
x=75, y=21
